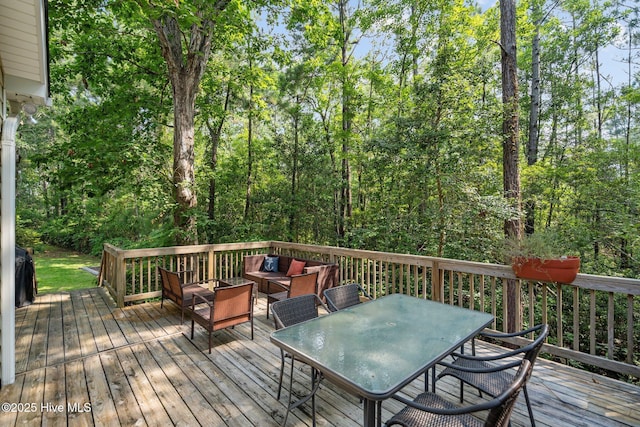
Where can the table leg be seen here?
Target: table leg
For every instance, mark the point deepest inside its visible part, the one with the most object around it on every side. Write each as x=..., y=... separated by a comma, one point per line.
x=369, y=413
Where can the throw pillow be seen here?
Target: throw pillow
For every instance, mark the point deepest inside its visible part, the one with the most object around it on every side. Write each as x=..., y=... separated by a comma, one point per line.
x=271, y=263
x=296, y=267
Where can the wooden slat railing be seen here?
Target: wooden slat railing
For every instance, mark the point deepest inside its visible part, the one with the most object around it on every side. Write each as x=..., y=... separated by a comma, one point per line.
x=598, y=307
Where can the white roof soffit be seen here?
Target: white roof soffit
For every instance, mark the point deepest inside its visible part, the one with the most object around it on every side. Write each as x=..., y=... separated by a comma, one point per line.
x=24, y=52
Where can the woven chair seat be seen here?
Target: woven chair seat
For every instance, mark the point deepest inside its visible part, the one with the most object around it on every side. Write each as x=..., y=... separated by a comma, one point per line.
x=413, y=417
x=429, y=409
x=491, y=383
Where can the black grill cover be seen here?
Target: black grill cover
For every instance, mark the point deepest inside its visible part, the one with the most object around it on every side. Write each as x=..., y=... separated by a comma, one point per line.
x=25, y=278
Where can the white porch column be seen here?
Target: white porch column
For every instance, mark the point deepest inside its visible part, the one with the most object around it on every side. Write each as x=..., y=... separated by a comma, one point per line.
x=7, y=250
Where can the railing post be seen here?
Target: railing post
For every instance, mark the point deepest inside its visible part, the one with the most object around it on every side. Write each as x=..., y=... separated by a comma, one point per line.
x=211, y=273
x=121, y=278
x=437, y=284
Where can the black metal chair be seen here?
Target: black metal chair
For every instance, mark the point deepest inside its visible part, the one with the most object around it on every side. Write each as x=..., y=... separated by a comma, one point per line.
x=429, y=409
x=289, y=312
x=464, y=366
x=344, y=296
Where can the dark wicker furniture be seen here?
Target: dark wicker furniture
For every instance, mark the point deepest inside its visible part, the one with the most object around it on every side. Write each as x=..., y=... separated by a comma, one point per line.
x=492, y=384
x=344, y=296
x=289, y=312
x=429, y=409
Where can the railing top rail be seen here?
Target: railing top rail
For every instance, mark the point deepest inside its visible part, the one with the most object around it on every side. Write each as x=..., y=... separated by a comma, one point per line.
x=585, y=281
x=182, y=250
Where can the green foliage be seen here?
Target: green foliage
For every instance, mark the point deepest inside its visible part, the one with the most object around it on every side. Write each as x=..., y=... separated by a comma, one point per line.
x=541, y=244
x=410, y=120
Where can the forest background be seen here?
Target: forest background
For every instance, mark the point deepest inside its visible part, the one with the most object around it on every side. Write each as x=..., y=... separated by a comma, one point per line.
x=374, y=125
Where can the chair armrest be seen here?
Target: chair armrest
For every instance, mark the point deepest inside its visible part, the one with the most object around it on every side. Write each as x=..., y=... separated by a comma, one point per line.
x=491, y=334
x=484, y=370
x=270, y=282
x=365, y=293
x=194, y=300
x=489, y=358
x=202, y=282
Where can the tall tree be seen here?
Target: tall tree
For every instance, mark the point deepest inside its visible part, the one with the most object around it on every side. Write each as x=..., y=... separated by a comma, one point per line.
x=185, y=33
x=510, y=144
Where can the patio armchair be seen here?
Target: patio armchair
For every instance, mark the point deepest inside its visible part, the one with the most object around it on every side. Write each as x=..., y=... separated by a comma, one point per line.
x=464, y=366
x=429, y=409
x=175, y=288
x=289, y=312
x=231, y=305
x=344, y=296
x=301, y=284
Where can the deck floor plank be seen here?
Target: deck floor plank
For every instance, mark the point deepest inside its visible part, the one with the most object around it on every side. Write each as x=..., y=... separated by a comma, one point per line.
x=77, y=395
x=30, y=413
x=55, y=340
x=88, y=344
x=24, y=337
x=105, y=310
x=103, y=407
x=138, y=366
x=98, y=328
x=55, y=394
x=147, y=399
x=70, y=337
x=129, y=412
x=38, y=349
x=175, y=390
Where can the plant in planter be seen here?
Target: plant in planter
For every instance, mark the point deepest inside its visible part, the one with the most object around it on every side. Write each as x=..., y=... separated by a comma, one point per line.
x=540, y=256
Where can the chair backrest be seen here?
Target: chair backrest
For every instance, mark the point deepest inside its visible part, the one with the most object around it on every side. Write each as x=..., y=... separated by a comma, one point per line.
x=295, y=310
x=303, y=284
x=500, y=414
x=163, y=278
x=232, y=305
x=532, y=350
x=344, y=296
x=171, y=282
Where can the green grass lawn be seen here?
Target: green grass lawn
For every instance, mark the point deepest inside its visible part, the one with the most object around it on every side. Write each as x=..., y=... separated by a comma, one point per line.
x=61, y=270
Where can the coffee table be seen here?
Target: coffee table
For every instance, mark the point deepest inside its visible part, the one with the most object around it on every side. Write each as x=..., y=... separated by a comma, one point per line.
x=237, y=280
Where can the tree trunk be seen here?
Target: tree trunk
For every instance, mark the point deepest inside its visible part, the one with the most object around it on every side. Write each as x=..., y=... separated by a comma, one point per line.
x=247, y=200
x=346, y=197
x=534, y=113
x=185, y=73
x=215, y=131
x=294, y=172
x=510, y=148
x=183, y=164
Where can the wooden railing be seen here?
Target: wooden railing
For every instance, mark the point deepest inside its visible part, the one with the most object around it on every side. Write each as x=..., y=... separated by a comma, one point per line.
x=591, y=321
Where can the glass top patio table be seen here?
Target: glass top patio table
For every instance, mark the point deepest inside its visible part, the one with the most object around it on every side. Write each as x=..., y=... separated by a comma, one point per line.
x=374, y=349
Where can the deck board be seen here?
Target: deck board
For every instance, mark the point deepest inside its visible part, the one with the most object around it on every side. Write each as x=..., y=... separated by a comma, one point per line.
x=137, y=366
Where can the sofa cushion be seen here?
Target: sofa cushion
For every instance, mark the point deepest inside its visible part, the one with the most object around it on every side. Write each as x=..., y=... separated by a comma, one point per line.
x=296, y=267
x=271, y=264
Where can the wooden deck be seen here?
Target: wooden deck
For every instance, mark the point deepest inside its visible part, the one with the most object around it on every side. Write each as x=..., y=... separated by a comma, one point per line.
x=82, y=361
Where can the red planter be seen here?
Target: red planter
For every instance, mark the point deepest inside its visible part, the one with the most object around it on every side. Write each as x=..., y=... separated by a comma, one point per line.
x=561, y=270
